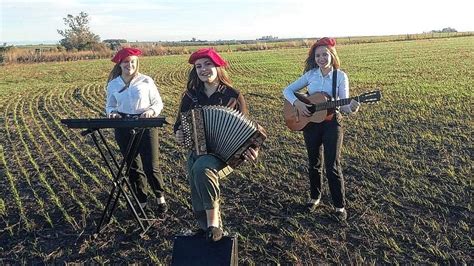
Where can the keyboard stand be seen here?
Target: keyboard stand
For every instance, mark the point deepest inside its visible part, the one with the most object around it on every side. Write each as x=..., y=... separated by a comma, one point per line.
x=120, y=179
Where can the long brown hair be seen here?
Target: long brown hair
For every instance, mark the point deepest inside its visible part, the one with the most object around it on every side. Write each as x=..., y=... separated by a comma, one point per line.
x=310, y=62
x=194, y=83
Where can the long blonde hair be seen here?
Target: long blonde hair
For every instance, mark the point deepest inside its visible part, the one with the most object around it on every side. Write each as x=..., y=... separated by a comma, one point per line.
x=117, y=71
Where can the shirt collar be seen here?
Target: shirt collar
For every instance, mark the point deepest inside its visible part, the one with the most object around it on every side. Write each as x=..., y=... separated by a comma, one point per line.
x=321, y=73
x=220, y=89
x=137, y=77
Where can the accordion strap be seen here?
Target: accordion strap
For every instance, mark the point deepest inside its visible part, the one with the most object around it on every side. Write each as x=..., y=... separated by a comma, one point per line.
x=193, y=98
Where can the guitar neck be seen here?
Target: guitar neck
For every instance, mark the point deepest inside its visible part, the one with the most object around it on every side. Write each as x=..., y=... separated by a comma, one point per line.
x=333, y=104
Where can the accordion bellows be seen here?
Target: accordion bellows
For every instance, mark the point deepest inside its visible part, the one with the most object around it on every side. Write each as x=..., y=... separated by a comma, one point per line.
x=221, y=131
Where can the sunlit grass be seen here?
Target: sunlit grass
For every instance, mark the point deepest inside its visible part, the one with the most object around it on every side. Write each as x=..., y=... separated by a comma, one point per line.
x=406, y=160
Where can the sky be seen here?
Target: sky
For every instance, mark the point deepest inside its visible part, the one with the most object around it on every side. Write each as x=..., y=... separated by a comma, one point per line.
x=37, y=21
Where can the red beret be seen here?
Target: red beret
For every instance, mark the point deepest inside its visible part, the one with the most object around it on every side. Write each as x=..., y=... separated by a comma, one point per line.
x=209, y=53
x=120, y=55
x=326, y=42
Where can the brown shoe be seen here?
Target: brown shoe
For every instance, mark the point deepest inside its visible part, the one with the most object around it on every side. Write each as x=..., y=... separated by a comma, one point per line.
x=213, y=234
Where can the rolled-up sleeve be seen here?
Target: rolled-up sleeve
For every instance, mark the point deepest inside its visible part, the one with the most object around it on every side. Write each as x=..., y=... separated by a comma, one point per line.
x=343, y=90
x=156, y=103
x=111, y=104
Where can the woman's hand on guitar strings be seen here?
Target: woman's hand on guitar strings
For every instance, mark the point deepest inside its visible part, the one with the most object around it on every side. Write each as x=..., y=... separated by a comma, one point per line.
x=354, y=105
x=302, y=108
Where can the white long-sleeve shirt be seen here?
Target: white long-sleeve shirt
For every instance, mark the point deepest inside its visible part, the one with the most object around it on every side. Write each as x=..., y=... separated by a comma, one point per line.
x=316, y=82
x=141, y=95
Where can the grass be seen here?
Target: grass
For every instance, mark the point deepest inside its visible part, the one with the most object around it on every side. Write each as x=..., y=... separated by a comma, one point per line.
x=406, y=160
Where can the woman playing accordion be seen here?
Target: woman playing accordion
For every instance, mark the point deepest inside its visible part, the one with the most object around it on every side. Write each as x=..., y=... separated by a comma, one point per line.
x=208, y=84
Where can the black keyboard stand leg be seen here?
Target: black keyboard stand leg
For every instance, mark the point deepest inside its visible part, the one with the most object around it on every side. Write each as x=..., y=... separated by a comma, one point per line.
x=134, y=211
x=124, y=182
x=120, y=180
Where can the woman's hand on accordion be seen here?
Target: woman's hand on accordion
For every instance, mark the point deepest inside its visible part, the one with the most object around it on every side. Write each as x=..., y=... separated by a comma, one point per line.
x=179, y=136
x=251, y=154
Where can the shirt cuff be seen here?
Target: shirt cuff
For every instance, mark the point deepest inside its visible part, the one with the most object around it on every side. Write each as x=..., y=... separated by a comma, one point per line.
x=156, y=111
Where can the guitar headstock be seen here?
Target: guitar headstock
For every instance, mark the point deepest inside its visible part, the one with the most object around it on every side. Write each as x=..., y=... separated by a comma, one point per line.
x=370, y=97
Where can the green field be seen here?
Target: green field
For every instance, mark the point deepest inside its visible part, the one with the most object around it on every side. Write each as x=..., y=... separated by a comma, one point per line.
x=407, y=163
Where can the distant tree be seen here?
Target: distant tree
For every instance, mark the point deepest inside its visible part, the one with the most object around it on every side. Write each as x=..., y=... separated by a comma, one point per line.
x=78, y=35
x=3, y=50
x=267, y=38
x=448, y=29
x=114, y=44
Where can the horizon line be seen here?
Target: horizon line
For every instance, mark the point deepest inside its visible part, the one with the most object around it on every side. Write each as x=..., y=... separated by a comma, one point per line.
x=276, y=38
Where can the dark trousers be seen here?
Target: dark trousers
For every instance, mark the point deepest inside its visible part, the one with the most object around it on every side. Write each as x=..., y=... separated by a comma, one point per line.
x=328, y=134
x=146, y=162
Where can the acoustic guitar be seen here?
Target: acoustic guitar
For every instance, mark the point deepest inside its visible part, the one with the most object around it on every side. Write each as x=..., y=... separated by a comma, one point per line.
x=322, y=108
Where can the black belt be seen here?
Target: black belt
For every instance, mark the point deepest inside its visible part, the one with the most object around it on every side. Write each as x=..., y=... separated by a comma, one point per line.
x=124, y=115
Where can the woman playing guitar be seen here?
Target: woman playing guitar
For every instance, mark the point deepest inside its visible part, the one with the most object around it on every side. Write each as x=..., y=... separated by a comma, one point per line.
x=323, y=76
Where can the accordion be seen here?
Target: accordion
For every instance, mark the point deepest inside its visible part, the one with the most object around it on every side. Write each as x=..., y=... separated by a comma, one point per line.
x=221, y=131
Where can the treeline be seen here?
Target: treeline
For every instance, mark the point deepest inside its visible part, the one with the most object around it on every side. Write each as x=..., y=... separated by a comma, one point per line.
x=448, y=29
x=36, y=54
x=12, y=54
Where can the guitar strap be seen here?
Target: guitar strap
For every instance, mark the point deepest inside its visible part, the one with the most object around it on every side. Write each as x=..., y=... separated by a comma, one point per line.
x=334, y=84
